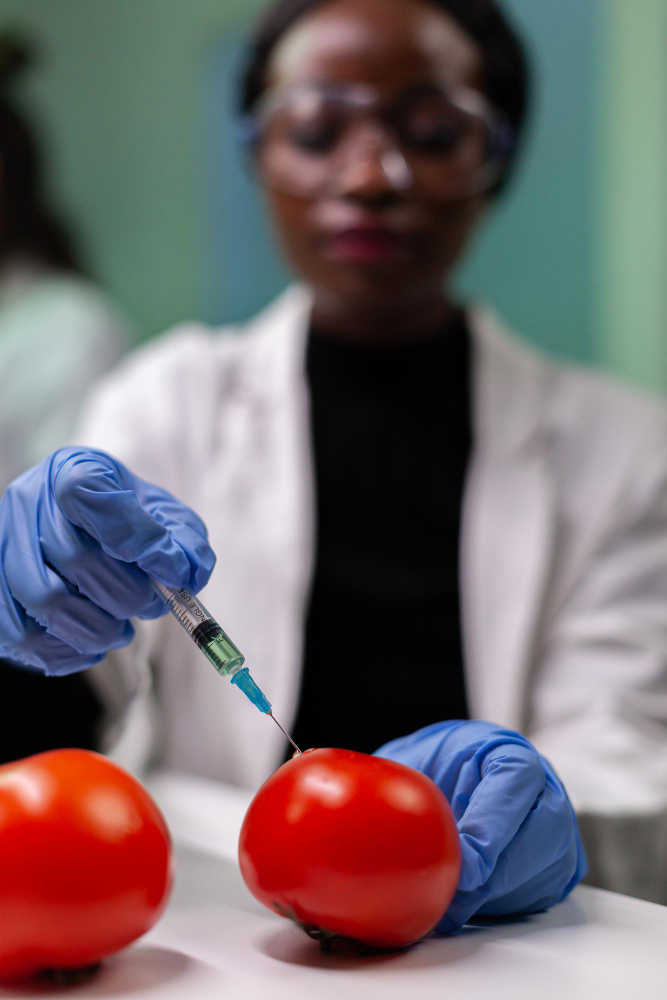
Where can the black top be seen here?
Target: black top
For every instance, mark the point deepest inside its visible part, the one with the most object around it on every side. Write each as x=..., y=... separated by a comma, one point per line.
x=391, y=434
x=43, y=713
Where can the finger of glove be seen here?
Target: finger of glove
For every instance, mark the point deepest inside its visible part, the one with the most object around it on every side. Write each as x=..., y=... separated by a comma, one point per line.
x=545, y=837
x=156, y=610
x=30, y=518
x=198, y=552
x=185, y=526
x=512, y=778
x=54, y=604
x=57, y=658
x=435, y=751
x=546, y=887
x=452, y=754
x=30, y=645
x=119, y=588
x=92, y=496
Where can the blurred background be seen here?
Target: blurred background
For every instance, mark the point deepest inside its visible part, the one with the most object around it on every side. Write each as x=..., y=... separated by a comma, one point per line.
x=134, y=103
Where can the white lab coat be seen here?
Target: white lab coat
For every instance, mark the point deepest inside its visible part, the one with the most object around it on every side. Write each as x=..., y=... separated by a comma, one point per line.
x=564, y=566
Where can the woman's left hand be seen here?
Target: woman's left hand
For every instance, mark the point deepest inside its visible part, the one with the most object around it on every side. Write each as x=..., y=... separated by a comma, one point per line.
x=521, y=849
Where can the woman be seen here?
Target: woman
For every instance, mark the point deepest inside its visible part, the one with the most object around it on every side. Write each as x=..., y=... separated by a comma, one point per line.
x=57, y=332
x=341, y=448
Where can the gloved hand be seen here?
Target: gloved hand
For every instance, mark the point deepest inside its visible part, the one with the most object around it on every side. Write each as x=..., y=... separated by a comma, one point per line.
x=78, y=535
x=520, y=846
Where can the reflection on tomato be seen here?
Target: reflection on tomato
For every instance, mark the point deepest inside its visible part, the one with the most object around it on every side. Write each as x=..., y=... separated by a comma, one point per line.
x=352, y=846
x=85, y=862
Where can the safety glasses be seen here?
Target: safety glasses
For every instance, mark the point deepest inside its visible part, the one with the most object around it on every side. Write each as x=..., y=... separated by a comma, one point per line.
x=443, y=143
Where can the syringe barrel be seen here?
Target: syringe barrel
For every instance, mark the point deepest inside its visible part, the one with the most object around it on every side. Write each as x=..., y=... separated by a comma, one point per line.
x=211, y=638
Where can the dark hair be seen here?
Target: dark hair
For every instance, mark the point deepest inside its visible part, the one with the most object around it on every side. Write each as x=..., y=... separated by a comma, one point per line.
x=28, y=226
x=504, y=61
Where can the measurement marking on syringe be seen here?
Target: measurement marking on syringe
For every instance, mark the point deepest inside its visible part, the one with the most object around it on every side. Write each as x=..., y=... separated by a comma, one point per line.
x=183, y=617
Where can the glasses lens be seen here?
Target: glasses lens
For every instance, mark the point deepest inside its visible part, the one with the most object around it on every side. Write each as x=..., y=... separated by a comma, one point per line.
x=446, y=141
x=309, y=123
x=298, y=140
x=432, y=125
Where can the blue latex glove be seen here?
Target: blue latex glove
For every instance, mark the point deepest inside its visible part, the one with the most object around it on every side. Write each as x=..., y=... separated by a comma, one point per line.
x=520, y=845
x=78, y=535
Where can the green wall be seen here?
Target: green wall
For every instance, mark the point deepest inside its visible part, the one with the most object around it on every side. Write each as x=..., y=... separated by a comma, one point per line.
x=535, y=260
x=119, y=94
x=631, y=193
x=132, y=96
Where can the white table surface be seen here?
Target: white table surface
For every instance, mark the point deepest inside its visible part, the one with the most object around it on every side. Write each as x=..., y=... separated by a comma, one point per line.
x=216, y=941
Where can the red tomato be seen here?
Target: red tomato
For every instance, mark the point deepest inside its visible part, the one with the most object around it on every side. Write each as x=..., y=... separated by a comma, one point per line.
x=85, y=862
x=352, y=846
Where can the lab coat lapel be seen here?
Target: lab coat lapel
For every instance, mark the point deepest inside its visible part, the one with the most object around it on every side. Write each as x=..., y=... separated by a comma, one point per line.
x=508, y=524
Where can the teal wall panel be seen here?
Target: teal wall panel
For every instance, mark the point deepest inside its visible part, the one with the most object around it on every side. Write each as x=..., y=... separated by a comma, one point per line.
x=534, y=261
x=244, y=268
x=631, y=193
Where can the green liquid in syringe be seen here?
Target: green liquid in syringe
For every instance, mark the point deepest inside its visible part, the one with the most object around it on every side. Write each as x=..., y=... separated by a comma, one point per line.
x=218, y=648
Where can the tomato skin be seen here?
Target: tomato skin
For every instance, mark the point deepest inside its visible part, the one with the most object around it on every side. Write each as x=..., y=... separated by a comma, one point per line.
x=85, y=862
x=359, y=846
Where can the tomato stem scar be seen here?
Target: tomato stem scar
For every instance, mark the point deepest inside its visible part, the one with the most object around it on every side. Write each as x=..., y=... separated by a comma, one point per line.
x=68, y=977
x=328, y=940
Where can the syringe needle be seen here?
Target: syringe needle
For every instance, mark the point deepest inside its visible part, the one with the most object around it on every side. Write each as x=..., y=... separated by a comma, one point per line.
x=282, y=730
x=216, y=646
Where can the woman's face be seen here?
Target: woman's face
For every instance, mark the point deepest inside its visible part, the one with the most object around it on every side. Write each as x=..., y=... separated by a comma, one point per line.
x=367, y=242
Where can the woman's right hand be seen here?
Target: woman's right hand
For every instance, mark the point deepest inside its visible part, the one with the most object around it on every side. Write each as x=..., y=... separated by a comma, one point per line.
x=80, y=536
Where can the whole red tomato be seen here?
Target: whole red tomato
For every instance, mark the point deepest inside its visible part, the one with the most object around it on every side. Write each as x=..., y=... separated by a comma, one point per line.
x=85, y=862
x=352, y=846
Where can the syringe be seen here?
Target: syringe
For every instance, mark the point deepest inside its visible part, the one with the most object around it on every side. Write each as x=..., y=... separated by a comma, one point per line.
x=216, y=645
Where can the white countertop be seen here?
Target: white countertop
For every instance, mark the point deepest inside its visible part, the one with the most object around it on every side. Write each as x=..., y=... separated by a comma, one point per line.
x=216, y=941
